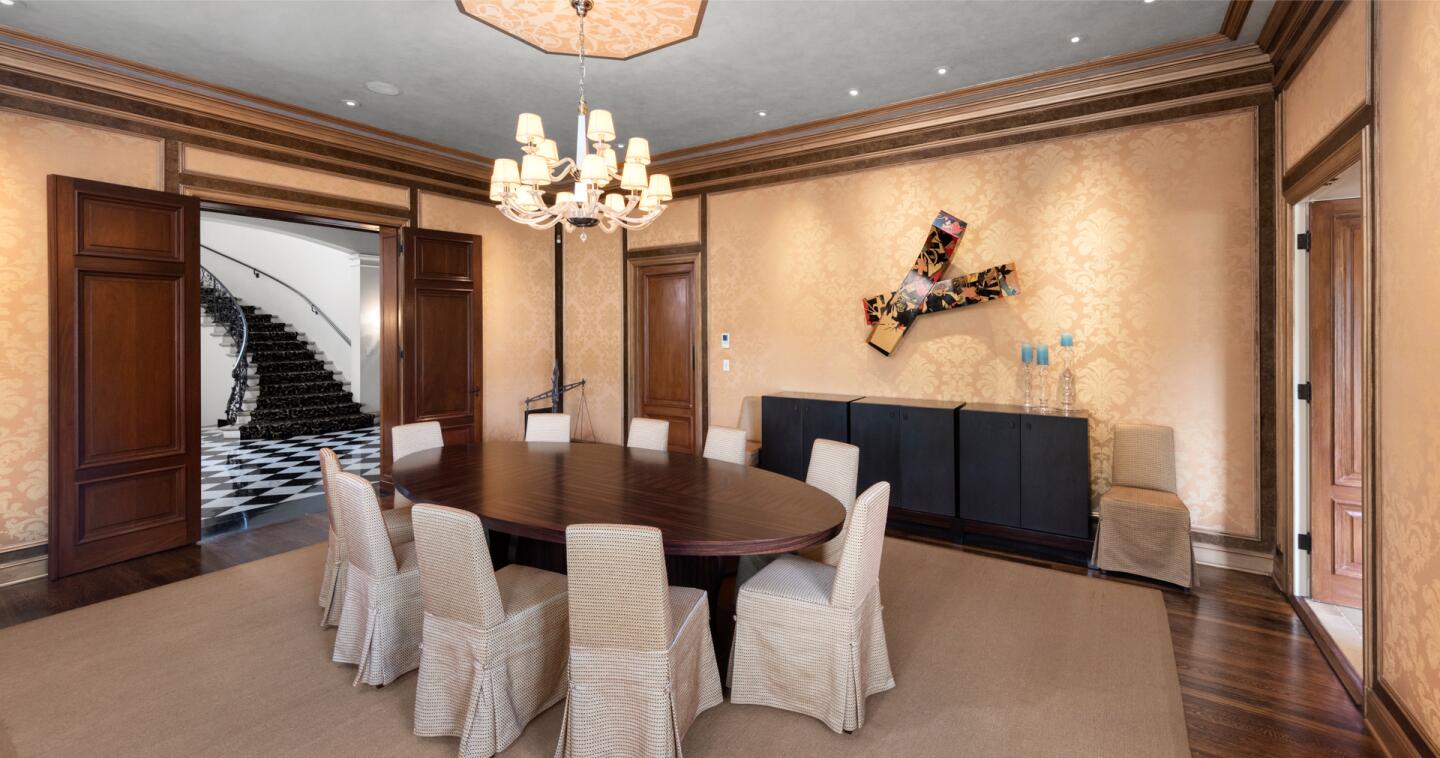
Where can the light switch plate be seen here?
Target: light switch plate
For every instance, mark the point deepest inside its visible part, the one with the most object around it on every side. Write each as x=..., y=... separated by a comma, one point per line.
x=725, y=364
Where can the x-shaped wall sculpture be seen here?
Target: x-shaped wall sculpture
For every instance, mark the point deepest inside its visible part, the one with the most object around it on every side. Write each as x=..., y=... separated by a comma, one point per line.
x=923, y=291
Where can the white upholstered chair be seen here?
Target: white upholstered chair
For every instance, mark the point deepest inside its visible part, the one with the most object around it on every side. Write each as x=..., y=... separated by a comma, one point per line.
x=649, y=434
x=380, y=621
x=1144, y=527
x=547, y=427
x=834, y=469
x=332, y=585
x=642, y=664
x=810, y=638
x=495, y=641
x=725, y=444
x=412, y=438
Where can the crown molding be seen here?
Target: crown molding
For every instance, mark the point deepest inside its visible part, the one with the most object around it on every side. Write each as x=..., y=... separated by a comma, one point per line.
x=1293, y=31
x=1234, y=21
x=970, y=115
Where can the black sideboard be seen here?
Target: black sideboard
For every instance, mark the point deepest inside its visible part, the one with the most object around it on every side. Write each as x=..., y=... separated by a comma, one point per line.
x=911, y=445
x=790, y=422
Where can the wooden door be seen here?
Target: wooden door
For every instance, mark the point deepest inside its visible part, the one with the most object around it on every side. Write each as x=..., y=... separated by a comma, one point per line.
x=440, y=361
x=125, y=373
x=665, y=326
x=1337, y=301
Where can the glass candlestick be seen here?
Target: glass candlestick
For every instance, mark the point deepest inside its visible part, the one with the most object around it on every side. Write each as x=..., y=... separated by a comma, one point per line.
x=1044, y=405
x=1025, y=385
x=1067, y=379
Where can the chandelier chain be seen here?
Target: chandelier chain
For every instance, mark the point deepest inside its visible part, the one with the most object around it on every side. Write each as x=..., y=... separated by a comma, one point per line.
x=582, y=62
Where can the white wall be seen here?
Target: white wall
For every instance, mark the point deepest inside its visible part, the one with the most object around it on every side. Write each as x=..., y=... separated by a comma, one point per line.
x=335, y=268
x=215, y=382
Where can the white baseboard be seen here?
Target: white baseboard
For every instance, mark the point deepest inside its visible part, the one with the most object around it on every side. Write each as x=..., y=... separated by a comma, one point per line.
x=1249, y=561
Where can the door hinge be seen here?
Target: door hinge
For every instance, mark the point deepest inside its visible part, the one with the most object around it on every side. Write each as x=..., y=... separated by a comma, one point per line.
x=1302, y=391
x=402, y=353
x=1302, y=241
x=1303, y=541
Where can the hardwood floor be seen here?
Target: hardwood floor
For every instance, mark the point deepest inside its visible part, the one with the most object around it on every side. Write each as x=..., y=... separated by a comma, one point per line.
x=1252, y=680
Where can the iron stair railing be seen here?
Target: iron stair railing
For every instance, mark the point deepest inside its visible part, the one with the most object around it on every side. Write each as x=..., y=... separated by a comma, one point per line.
x=315, y=309
x=228, y=312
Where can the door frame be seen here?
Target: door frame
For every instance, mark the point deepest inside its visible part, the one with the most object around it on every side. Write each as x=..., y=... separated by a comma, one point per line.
x=1294, y=515
x=634, y=262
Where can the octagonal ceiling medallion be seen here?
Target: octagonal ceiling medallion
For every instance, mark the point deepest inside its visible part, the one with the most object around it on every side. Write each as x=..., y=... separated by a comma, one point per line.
x=616, y=29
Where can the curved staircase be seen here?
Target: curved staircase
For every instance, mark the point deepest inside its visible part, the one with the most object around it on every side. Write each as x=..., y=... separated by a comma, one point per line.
x=290, y=390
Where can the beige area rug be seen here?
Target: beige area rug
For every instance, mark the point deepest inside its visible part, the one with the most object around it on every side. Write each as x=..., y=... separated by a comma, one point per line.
x=991, y=657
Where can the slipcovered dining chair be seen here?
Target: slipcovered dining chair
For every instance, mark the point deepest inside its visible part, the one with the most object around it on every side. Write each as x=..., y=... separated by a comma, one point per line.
x=332, y=584
x=495, y=641
x=834, y=469
x=412, y=438
x=725, y=444
x=380, y=621
x=649, y=434
x=1144, y=527
x=642, y=664
x=810, y=638
x=547, y=427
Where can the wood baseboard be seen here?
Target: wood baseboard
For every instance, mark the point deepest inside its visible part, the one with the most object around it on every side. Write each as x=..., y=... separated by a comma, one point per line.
x=23, y=565
x=1249, y=561
x=1394, y=727
x=1352, y=680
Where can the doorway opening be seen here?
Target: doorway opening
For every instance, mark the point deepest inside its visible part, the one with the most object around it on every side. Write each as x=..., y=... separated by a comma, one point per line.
x=290, y=362
x=1330, y=361
x=665, y=336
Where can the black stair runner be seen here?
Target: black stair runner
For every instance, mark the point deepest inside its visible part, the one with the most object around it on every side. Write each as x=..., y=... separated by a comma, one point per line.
x=297, y=394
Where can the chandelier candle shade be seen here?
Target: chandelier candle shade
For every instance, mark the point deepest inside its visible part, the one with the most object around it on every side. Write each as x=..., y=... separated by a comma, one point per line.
x=583, y=198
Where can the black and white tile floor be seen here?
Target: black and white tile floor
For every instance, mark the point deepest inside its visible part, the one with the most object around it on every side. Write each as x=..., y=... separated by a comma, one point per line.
x=244, y=478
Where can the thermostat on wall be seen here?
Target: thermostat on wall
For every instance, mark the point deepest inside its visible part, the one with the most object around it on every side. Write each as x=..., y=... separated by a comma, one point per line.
x=725, y=339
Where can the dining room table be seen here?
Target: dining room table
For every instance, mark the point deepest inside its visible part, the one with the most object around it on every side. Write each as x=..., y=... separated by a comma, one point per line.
x=709, y=512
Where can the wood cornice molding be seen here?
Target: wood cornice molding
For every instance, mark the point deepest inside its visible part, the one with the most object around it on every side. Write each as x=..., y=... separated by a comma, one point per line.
x=1394, y=727
x=946, y=129
x=1234, y=20
x=1338, y=149
x=1292, y=31
x=68, y=82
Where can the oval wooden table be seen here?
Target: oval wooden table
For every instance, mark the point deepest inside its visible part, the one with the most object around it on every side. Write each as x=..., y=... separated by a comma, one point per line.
x=709, y=512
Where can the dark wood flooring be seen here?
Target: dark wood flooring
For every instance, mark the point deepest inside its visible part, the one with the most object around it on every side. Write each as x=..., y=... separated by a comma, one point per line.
x=1252, y=679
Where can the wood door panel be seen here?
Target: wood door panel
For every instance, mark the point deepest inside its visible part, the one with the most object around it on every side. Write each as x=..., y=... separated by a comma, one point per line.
x=440, y=302
x=125, y=372
x=668, y=355
x=1336, y=412
x=131, y=367
x=118, y=226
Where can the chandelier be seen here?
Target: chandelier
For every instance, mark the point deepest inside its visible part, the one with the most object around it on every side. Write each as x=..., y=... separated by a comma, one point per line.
x=518, y=188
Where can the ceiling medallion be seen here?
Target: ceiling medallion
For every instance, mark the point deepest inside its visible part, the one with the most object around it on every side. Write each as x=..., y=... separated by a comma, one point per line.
x=518, y=189
x=620, y=29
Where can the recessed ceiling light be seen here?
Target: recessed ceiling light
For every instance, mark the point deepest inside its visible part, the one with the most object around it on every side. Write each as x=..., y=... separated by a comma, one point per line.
x=761, y=114
x=351, y=103
x=1075, y=40
x=942, y=71
x=1147, y=2
x=7, y=2
x=854, y=93
x=382, y=88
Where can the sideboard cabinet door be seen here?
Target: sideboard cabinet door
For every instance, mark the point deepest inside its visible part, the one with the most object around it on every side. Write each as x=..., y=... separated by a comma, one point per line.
x=1055, y=491
x=780, y=432
x=989, y=467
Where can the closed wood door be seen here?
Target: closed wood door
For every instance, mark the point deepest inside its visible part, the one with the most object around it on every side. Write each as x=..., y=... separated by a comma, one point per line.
x=1337, y=301
x=440, y=352
x=125, y=373
x=665, y=326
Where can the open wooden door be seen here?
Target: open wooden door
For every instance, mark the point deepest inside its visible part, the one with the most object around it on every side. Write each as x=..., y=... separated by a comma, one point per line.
x=1337, y=302
x=440, y=361
x=125, y=373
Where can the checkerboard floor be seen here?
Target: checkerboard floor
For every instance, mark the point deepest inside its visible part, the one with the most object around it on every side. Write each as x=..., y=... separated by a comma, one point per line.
x=249, y=476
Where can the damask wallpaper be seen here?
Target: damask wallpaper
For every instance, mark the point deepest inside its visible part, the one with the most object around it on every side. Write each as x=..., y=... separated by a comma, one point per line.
x=1408, y=433
x=1141, y=241
x=678, y=225
x=1332, y=84
x=594, y=351
x=518, y=291
x=216, y=163
x=31, y=149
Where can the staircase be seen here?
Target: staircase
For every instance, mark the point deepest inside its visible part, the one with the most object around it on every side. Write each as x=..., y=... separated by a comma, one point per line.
x=289, y=390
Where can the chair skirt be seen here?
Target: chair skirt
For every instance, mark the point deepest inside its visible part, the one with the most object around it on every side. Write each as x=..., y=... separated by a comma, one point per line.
x=484, y=686
x=640, y=704
x=332, y=585
x=812, y=659
x=380, y=625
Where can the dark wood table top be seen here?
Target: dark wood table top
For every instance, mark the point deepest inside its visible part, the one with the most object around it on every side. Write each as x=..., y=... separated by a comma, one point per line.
x=703, y=507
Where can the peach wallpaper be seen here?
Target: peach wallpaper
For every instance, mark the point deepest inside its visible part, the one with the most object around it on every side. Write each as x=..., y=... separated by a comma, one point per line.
x=31, y=149
x=1141, y=241
x=678, y=225
x=594, y=350
x=215, y=163
x=1408, y=433
x=1330, y=86
x=518, y=292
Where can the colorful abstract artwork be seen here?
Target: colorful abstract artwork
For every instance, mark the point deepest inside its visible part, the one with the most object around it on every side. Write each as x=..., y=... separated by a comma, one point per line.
x=923, y=291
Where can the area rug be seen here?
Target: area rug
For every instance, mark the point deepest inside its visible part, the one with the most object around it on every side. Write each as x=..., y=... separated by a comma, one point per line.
x=991, y=658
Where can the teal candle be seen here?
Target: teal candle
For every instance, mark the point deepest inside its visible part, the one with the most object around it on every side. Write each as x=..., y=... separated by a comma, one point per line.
x=1067, y=340
x=1042, y=355
x=1027, y=353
